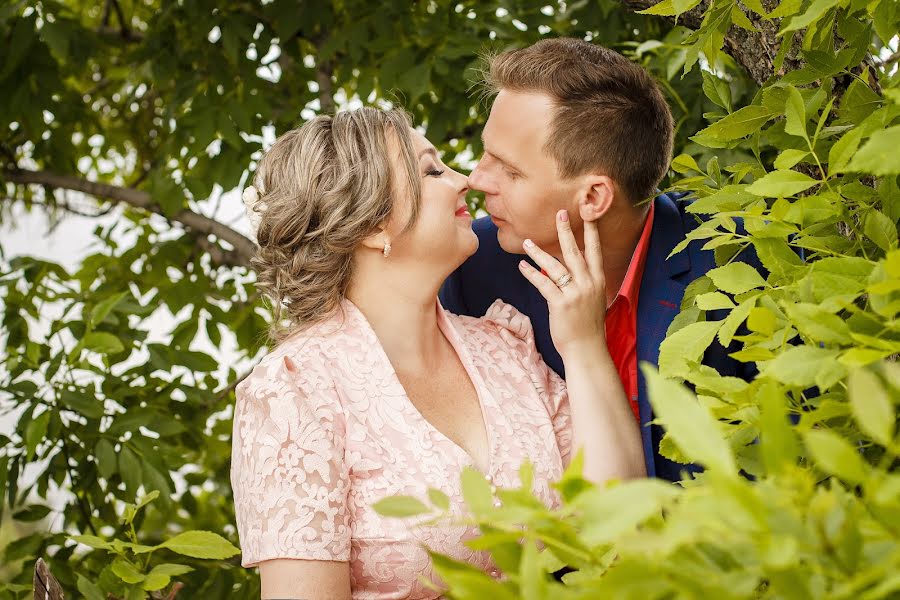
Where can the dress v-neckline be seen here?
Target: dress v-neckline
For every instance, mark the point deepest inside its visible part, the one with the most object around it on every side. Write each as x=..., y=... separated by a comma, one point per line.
x=464, y=358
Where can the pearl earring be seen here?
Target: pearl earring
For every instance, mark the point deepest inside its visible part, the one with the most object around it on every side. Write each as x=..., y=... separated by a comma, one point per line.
x=387, y=249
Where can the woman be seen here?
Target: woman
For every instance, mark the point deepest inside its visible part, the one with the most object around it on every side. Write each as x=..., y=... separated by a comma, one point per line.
x=374, y=390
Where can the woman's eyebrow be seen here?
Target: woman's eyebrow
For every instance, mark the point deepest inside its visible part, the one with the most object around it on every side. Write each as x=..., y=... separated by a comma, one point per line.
x=425, y=151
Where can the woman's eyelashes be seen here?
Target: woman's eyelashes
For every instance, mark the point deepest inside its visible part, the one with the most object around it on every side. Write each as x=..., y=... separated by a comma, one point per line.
x=434, y=172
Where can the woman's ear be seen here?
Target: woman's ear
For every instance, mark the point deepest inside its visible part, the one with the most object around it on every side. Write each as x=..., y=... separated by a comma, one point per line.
x=377, y=240
x=595, y=197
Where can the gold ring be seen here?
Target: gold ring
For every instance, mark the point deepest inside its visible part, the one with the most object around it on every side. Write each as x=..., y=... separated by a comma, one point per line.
x=564, y=281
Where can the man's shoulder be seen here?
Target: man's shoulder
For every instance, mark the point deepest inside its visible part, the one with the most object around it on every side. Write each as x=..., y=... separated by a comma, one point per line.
x=680, y=222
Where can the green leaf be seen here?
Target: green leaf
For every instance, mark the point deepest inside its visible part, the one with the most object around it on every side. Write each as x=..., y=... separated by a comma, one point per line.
x=670, y=8
x=777, y=257
x=778, y=442
x=835, y=455
x=102, y=342
x=106, y=458
x=880, y=229
x=860, y=357
x=716, y=90
x=93, y=541
x=817, y=324
x=155, y=581
x=843, y=150
x=738, y=124
x=734, y=320
x=4, y=476
x=130, y=469
x=160, y=576
x=532, y=579
x=23, y=34
x=89, y=589
x=879, y=156
x=439, y=499
x=871, y=406
x=714, y=301
x=736, y=278
x=684, y=163
x=126, y=571
x=800, y=365
x=171, y=569
x=104, y=308
x=83, y=402
x=685, y=345
x=201, y=544
x=789, y=158
x=476, y=491
x=400, y=506
x=36, y=432
x=885, y=18
x=779, y=184
x=761, y=320
x=795, y=114
x=689, y=424
x=813, y=13
x=468, y=581
x=35, y=512
x=609, y=513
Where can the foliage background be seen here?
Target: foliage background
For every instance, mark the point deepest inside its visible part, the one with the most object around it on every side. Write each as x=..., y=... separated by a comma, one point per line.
x=787, y=118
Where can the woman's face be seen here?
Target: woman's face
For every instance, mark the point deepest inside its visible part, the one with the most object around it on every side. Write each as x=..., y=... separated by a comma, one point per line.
x=442, y=235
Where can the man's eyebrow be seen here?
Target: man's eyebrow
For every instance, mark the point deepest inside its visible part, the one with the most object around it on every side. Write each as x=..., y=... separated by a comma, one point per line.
x=505, y=161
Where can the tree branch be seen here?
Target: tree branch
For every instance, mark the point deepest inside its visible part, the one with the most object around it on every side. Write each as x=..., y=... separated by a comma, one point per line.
x=326, y=89
x=199, y=225
x=754, y=50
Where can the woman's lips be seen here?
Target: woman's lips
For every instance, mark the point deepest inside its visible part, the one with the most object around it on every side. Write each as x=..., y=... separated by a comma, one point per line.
x=462, y=211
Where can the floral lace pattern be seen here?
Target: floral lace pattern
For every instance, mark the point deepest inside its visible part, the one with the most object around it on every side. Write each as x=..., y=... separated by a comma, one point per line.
x=323, y=429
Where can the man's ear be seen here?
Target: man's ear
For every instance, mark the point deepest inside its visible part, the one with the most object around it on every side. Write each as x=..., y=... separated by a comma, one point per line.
x=596, y=197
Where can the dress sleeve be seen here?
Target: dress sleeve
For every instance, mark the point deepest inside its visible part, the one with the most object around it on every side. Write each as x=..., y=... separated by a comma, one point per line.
x=288, y=471
x=516, y=328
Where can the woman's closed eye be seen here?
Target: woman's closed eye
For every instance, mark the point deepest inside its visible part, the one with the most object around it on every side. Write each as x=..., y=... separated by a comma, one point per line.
x=434, y=172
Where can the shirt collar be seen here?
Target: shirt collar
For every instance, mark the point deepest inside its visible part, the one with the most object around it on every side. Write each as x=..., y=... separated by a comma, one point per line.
x=631, y=285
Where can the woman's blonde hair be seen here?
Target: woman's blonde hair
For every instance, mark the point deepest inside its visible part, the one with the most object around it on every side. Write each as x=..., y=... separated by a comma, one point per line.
x=326, y=186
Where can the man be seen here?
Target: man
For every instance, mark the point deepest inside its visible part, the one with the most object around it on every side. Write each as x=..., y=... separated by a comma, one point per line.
x=578, y=126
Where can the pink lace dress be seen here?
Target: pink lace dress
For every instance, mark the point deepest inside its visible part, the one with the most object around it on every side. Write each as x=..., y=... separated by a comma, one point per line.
x=323, y=429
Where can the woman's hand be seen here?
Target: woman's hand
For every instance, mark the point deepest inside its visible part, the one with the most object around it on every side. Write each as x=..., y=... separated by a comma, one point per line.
x=575, y=291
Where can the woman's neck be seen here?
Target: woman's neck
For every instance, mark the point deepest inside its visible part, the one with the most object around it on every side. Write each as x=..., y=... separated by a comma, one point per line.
x=403, y=314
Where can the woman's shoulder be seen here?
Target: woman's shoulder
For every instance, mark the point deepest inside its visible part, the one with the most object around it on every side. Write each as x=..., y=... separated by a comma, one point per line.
x=501, y=320
x=302, y=359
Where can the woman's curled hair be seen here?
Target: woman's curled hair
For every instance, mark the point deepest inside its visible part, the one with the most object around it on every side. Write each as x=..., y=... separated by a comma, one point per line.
x=325, y=187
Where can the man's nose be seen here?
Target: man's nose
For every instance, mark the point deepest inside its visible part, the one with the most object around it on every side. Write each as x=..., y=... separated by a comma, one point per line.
x=480, y=180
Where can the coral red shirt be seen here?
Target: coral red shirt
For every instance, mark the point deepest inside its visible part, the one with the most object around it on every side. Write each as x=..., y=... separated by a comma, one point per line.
x=621, y=319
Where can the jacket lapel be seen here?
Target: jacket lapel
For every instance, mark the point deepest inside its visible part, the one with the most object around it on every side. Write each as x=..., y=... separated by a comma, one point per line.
x=658, y=303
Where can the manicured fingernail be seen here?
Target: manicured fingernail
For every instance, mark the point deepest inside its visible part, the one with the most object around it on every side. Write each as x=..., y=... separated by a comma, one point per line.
x=522, y=264
x=563, y=215
x=528, y=243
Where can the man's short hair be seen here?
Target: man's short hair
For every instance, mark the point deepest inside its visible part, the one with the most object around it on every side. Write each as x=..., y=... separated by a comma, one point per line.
x=610, y=116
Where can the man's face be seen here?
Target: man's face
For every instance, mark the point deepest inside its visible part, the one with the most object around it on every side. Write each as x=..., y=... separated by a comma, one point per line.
x=523, y=191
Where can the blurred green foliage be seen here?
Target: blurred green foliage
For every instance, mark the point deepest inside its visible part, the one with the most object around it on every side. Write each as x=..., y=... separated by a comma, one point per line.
x=172, y=99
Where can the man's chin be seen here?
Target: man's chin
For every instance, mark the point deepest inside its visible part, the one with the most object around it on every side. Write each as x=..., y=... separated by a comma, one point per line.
x=510, y=242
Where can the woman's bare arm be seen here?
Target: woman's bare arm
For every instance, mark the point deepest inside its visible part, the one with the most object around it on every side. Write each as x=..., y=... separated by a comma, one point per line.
x=292, y=579
x=602, y=421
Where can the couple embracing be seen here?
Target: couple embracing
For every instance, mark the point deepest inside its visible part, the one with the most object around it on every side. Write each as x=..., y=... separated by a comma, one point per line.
x=411, y=343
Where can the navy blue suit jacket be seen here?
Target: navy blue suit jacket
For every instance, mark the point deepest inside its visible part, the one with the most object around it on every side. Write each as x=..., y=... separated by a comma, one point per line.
x=492, y=273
